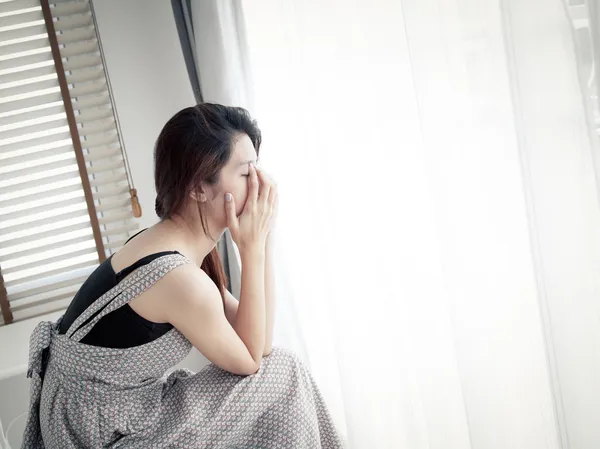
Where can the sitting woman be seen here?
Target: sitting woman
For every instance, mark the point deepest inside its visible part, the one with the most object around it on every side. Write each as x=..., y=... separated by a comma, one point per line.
x=98, y=374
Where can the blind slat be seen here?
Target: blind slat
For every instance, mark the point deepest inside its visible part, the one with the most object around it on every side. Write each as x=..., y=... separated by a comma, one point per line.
x=100, y=168
x=34, y=43
x=48, y=97
x=44, y=221
x=96, y=113
x=17, y=5
x=49, y=192
x=45, y=208
x=44, y=215
x=108, y=180
x=103, y=153
x=11, y=189
x=35, y=291
x=120, y=230
x=42, y=235
x=115, y=245
x=57, y=302
x=105, y=176
x=14, y=61
x=50, y=247
x=25, y=125
x=27, y=131
x=89, y=47
x=57, y=136
x=21, y=33
x=84, y=75
x=90, y=87
x=123, y=204
x=86, y=102
x=62, y=10
x=38, y=113
x=98, y=126
x=109, y=192
x=48, y=273
x=16, y=158
x=76, y=35
x=32, y=73
x=76, y=21
x=115, y=218
x=18, y=19
x=27, y=86
x=96, y=140
x=25, y=141
x=82, y=62
x=23, y=63
x=48, y=87
x=49, y=259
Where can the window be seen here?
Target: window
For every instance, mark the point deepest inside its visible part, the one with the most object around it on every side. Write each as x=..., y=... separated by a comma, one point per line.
x=67, y=199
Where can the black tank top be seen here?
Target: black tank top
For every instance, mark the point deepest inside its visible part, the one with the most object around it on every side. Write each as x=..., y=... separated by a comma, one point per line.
x=122, y=328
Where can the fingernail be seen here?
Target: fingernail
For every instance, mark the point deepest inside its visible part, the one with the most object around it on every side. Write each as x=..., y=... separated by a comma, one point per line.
x=228, y=197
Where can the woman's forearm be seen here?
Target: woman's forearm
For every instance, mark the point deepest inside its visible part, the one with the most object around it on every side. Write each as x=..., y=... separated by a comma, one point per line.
x=250, y=322
x=269, y=296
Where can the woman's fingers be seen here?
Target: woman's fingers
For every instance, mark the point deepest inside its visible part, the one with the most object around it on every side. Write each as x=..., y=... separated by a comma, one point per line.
x=265, y=186
x=268, y=195
x=232, y=220
x=273, y=196
x=271, y=193
x=252, y=187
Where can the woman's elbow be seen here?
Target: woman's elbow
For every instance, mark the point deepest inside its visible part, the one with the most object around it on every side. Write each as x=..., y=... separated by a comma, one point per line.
x=267, y=351
x=247, y=369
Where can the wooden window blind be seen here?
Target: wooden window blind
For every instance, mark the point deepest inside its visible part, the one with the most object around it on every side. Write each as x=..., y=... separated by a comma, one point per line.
x=67, y=200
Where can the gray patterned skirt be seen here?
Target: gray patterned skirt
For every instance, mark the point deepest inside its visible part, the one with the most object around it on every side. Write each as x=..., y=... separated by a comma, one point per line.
x=86, y=396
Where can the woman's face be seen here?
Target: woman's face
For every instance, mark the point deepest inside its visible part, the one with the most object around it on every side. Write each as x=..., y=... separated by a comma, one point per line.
x=233, y=179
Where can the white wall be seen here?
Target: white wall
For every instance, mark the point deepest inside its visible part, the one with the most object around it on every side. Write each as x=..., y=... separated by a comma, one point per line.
x=148, y=77
x=150, y=84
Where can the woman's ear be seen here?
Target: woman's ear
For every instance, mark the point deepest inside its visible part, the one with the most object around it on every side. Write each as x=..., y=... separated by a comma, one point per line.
x=198, y=194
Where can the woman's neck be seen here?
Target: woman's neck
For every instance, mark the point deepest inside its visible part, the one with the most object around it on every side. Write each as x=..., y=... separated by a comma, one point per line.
x=193, y=237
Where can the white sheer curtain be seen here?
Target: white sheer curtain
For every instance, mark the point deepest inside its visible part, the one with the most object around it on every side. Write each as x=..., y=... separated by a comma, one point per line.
x=439, y=224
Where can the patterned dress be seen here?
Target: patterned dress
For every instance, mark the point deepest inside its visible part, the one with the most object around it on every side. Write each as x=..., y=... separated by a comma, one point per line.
x=86, y=396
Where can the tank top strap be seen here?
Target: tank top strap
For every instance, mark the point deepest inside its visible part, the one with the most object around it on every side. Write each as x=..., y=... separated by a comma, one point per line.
x=133, y=285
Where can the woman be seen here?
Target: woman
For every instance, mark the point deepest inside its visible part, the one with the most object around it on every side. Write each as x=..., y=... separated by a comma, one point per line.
x=98, y=374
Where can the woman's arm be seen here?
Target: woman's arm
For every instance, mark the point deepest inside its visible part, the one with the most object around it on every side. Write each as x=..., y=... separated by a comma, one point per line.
x=269, y=296
x=232, y=304
x=234, y=340
x=250, y=320
x=250, y=231
x=195, y=308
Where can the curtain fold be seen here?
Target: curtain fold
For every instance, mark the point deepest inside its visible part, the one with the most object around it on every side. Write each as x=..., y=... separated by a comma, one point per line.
x=212, y=40
x=467, y=147
x=555, y=94
x=439, y=233
x=185, y=30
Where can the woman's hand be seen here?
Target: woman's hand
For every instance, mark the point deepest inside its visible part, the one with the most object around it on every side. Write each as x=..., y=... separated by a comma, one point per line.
x=265, y=179
x=251, y=228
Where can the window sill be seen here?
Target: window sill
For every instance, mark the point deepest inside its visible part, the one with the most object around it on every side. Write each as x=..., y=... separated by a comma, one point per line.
x=14, y=344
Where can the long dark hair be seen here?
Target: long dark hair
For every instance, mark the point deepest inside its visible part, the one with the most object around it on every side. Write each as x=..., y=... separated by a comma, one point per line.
x=192, y=148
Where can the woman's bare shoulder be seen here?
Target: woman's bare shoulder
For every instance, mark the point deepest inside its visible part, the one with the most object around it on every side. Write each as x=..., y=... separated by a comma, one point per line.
x=189, y=282
x=149, y=242
x=182, y=289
